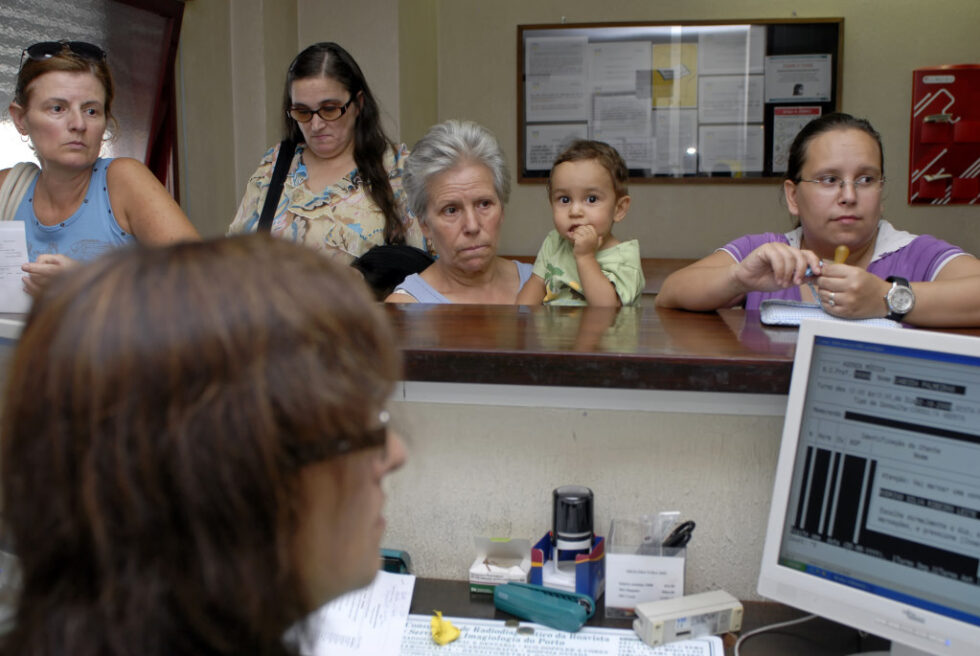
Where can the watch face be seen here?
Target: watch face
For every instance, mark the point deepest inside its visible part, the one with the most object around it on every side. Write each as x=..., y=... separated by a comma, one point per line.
x=900, y=299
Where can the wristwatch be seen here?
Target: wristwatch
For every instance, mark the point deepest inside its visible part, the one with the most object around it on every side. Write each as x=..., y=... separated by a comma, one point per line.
x=900, y=299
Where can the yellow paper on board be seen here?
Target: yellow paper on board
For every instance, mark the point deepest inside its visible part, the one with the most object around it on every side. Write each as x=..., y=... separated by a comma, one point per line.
x=675, y=75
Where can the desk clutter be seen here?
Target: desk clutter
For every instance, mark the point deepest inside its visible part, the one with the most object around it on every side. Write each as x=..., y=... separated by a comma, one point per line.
x=551, y=588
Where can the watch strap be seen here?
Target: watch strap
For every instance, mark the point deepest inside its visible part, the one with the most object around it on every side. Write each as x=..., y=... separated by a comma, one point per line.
x=896, y=280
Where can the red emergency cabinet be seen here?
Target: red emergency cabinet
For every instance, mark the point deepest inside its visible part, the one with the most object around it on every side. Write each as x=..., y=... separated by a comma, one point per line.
x=944, y=153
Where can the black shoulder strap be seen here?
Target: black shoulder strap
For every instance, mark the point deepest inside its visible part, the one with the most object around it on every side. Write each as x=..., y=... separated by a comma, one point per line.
x=285, y=157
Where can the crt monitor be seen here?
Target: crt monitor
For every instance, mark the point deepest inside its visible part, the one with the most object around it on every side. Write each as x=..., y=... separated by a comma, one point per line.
x=875, y=516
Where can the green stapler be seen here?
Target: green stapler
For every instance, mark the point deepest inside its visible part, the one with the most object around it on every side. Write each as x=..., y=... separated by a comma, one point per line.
x=566, y=611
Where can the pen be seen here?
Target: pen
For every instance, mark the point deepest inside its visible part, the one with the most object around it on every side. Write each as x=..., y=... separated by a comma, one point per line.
x=680, y=536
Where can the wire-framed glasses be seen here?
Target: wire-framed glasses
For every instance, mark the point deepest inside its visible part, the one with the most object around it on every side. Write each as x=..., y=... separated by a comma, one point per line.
x=302, y=114
x=46, y=49
x=832, y=184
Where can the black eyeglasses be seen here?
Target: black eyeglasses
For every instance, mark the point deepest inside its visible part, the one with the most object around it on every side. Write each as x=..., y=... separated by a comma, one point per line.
x=326, y=112
x=47, y=49
x=373, y=437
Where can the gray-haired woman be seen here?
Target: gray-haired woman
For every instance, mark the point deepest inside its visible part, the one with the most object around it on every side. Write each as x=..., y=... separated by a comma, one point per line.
x=457, y=184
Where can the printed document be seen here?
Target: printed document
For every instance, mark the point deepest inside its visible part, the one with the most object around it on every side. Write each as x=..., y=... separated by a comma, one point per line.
x=480, y=637
x=366, y=622
x=13, y=253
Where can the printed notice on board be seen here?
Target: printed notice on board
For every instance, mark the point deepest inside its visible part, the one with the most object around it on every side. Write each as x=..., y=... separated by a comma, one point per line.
x=623, y=121
x=676, y=137
x=543, y=143
x=730, y=99
x=731, y=149
x=786, y=124
x=613, y=66
x=731, y=49
x=13, y=254
x=798, y=78
x=557, y=74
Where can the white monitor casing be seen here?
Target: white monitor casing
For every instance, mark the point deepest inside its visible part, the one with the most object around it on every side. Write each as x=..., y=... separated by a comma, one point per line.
x=903, y=623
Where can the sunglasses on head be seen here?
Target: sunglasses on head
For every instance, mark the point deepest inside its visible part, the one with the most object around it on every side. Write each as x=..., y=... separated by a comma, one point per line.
x=47, y=49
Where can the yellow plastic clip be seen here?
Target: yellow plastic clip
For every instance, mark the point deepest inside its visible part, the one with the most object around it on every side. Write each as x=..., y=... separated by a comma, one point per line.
x=443, y=631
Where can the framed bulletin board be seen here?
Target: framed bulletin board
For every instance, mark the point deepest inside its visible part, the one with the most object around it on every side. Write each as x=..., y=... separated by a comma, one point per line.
x=704, y=101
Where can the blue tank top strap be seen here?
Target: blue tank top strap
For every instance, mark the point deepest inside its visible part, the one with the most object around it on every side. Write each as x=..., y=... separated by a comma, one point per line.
x=86, y=234
x=423, y=292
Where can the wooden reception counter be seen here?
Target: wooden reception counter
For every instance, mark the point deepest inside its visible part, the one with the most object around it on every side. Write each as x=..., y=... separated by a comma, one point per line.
x=643, y=348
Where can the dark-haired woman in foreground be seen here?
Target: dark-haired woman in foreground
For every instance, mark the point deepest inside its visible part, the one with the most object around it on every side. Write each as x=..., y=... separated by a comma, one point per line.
x=342, y=194
x=833, y=186
x=194, y=440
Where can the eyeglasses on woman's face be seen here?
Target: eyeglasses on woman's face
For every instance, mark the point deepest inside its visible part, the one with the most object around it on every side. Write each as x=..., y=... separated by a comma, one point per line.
x=328, y=112
x=47, y=49
x=374, y=436
x=833, y=184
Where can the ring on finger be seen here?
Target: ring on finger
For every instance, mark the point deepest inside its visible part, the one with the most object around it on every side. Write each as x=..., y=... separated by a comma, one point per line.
x=830, y=301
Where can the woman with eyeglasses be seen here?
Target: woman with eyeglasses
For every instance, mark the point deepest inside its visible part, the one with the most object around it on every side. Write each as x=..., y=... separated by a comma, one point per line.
x=833, y=186
x=188, y=469
x=80, y=205
x=342, y=193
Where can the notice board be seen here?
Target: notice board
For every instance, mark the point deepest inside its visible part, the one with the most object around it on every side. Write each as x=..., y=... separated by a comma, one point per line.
x=702, y=101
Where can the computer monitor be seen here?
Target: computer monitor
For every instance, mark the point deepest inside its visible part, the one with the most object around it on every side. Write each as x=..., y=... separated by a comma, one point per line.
x=875, y=517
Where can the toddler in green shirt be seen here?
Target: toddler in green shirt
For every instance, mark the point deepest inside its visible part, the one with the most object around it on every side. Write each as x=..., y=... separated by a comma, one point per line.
x=580, y=261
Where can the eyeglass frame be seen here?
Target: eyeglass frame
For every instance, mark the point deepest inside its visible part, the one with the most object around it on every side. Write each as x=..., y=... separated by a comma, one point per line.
x=83, y=49
x=374, y=437
x=824, y=185
x=316, y=112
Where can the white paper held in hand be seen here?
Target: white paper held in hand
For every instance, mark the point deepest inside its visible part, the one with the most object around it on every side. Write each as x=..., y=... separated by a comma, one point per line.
x=13, y=254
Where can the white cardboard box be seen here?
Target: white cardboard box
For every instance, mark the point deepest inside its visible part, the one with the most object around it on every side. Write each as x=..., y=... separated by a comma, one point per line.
x=499, y=560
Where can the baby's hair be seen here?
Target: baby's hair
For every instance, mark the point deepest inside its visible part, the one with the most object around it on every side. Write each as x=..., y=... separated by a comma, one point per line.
x=607, y=156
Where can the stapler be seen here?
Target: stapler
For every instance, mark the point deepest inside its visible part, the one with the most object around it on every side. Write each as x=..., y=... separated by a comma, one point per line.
x=396, y=560
x=566, y=611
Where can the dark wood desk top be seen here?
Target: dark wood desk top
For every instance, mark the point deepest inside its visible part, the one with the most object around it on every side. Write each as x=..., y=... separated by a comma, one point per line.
x=641, y=347
x=637, y=347
x=819, y=637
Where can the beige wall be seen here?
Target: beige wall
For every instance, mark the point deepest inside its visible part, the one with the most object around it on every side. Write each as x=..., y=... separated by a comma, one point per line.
x=884, y=41
x=206, y=140
x=368, y=30
x=483, y=470
x=418, y=67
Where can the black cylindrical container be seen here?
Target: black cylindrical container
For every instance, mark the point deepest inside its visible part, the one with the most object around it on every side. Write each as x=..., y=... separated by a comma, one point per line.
x=572, y=523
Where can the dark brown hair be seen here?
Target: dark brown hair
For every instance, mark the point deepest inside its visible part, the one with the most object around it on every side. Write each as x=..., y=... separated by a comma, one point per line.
x=159, y=408
x=816, y=127
x=327, y=59
x=607, y=157
x=68, y=62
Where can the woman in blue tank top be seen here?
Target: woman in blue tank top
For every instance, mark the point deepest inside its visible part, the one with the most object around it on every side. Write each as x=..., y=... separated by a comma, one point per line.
x=80, y=205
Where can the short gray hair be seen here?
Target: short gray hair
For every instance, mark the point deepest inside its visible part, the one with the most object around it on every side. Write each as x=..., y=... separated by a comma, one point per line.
x=445, y=146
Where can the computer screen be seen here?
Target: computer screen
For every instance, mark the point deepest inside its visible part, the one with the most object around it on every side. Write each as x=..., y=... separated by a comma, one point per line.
x=875, y=516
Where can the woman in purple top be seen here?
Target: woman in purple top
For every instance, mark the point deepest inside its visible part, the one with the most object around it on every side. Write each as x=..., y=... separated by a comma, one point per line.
x=833, y=186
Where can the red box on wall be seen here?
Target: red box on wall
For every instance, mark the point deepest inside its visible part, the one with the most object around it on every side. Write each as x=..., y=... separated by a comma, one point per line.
x=944, y=149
